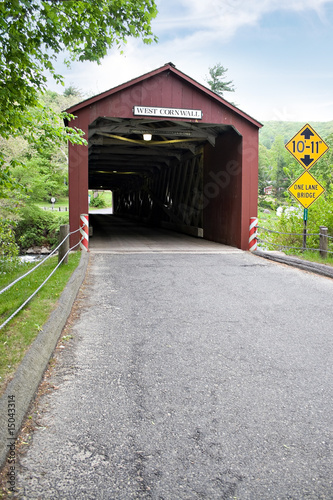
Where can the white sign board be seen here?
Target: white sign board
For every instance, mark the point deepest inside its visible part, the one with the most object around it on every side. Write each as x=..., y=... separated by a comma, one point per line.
x=192, y=114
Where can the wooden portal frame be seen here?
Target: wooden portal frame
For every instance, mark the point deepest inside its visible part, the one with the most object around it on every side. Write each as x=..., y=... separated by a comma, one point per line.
x=229, y=168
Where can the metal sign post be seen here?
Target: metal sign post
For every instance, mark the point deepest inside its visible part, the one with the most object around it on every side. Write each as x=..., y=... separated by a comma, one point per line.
x=306, y=147
x=305, y=219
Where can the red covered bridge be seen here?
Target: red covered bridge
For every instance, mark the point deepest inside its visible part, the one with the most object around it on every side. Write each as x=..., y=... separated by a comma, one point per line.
x=173, y=153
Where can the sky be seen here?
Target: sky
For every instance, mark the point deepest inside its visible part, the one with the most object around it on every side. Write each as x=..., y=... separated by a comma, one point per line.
x=278, y=54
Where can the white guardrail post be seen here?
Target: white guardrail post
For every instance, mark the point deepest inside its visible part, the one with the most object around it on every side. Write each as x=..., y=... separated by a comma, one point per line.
x=253, y=234
x=84, y=231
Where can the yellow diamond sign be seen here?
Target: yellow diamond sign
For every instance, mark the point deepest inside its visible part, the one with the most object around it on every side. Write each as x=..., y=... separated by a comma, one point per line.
x=307, y=147
x=306, y=189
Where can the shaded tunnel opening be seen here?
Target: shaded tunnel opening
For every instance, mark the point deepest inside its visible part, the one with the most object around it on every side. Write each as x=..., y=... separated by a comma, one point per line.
x=160, y=180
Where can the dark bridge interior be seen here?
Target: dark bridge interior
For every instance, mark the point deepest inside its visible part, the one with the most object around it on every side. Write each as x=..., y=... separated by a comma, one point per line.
x=156, y=179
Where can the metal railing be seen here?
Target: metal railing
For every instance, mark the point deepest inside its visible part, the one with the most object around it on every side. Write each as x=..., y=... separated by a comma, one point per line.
x=56, y=209
x=323, y=241
x=33, y=269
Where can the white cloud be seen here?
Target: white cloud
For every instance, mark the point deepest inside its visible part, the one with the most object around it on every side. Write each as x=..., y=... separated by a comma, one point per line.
x=271, y=83
x=220, y=19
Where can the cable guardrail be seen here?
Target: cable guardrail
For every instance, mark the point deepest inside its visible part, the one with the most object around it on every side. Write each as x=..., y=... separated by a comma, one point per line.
x=45, y=281
x=293, y=234
x=287, y=247
x=37, y=265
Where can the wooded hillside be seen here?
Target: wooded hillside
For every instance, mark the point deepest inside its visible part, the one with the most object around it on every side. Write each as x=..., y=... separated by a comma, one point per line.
x=272, y=129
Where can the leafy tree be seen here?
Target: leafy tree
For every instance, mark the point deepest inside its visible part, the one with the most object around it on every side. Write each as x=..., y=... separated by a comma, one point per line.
x=72, y=91
x=41, y=170
x=42, y=178
x=265, y=169
x=280, y=160
x=217, y=81
x=9, y=250
x=32, y=35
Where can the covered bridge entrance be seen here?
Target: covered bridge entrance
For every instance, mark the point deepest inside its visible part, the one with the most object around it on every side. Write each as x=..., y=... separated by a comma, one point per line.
x=173, y=153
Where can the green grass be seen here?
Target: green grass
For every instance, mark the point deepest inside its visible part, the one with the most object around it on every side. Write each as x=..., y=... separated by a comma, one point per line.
x=313, y=256
x=63, y=202
x=18, y=334
x=60, y=203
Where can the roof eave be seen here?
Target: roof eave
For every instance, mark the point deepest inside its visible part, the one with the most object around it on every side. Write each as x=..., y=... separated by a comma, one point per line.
x=167, y=67
x=118, y=88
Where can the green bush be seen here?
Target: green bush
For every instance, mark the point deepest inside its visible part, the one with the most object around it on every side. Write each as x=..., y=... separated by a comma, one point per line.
x=38, y=227
x=266, y=203
x=98, y=202
x=31, y=238
x=9, y=250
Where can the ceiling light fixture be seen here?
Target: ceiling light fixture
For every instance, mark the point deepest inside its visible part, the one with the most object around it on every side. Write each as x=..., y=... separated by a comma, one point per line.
x=147, y=137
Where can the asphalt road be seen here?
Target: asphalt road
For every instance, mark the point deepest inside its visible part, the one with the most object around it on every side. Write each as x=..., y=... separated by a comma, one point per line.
x=189, y=376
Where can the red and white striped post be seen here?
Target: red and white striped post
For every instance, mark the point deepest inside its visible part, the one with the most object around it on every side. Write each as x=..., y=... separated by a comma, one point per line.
x=253, y=234
x=84, y=231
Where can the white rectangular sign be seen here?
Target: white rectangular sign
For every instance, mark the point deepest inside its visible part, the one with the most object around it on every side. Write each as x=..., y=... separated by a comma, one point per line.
x=192, y=114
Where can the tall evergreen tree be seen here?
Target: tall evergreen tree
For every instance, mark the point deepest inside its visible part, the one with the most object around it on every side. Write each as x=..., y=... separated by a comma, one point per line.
x=217, y=81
